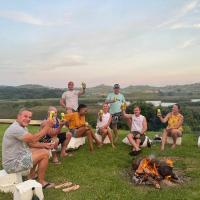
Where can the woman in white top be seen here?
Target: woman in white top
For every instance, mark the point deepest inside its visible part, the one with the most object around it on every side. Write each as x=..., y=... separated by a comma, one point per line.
x=138, y=127
x=103, y=123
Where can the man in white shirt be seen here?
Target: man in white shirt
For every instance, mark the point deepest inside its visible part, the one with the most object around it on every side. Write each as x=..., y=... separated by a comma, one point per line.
x=69, y=99
x=138, y=128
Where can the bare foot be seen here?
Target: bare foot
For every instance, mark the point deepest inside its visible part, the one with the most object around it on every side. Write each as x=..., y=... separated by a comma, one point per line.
x=162, y=148
x=99, y=145
x=62, y=155
x=173, y=146
x=113, y=146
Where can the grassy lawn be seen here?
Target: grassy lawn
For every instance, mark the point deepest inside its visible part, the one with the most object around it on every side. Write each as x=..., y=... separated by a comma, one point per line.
x=100, y=173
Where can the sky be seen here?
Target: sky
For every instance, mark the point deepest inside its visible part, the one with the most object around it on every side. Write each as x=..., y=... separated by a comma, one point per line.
x=130, y=42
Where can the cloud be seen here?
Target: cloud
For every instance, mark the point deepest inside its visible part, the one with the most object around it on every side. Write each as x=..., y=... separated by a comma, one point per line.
x=189, y=7
x=186, y=44
x=184, y=26
x=31, y=20
x=62, y=61
x=48, y=63
x=174, y=21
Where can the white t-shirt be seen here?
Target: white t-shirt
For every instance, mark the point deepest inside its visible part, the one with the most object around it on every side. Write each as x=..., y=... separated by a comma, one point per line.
x=71, y=99
x=137, y=123
x=105, y=119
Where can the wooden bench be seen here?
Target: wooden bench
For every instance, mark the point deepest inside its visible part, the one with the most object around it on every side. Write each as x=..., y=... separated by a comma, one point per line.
x=10, y=121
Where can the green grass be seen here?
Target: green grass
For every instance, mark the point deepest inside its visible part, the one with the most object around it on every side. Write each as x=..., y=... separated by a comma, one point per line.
x=100, y=176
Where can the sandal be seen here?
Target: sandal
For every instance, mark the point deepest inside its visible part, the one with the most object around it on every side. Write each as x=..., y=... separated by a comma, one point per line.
x=48, y=185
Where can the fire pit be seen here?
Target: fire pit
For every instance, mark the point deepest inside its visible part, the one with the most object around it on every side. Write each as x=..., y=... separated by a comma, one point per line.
x=151, y=171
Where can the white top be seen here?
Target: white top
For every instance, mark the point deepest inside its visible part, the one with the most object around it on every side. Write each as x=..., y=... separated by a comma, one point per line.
x=137, y=123
x=71, y=99
x=105, y=120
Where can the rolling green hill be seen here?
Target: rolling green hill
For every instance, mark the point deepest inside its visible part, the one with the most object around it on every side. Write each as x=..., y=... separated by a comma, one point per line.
x=41, y=92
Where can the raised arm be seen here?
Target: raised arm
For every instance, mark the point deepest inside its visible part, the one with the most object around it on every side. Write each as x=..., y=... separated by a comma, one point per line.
x=83, y=89
x=109, y=100
x=32, y=138
x=164, y=119
x=125, y=115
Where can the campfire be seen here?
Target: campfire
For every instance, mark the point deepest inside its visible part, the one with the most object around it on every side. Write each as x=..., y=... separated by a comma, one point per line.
x=151, y=171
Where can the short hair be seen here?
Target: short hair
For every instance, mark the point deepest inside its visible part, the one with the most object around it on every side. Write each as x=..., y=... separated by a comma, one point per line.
x=70, y=82
x=24, y=109
x=81, y=106
x=51, y=108
x=137, y=106
x=178, y=106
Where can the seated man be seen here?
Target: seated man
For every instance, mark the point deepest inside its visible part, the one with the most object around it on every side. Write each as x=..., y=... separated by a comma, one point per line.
x=78, y=126
x=56, y=136
x=16, y=154
x=138, y=127
x=103, y=123
x=174, y=128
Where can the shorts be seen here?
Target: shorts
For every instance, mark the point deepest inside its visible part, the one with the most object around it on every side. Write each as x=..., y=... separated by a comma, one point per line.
x=116, y=117
x=47, y=139
x=98, y=130
x=73, y=131
x=22, y=163
x=138, y=135
x=61, y=137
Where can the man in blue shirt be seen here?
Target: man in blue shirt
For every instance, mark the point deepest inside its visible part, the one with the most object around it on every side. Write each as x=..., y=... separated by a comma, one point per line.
x=115, y=99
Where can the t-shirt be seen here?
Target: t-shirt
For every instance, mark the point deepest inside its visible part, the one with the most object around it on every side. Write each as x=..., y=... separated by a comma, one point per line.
x=71, y=99
x=105, y=120
x=12, y=145
x=75, y=120
x=116, y=106
x=137, y=123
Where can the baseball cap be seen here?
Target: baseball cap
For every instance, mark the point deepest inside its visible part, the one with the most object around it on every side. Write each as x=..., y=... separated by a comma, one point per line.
x=116, y=86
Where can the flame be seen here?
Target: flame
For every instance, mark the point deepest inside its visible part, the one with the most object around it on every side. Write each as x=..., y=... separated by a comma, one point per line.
x=147, y=167
x=169, y=162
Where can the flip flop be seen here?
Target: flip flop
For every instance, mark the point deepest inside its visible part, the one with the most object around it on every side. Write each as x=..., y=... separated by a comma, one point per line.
x=48, y=185
x=66, y=184
x=73, y=188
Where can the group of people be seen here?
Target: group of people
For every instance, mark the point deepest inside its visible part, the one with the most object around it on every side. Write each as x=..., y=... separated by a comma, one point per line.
x=22, y=150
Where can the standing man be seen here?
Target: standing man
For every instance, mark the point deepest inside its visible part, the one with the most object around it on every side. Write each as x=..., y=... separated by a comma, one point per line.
x=17, y=156
x=69, y=99
x=115, y=99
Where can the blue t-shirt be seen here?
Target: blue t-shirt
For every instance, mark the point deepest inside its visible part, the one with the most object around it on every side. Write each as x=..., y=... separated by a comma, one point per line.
x=115, y=107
